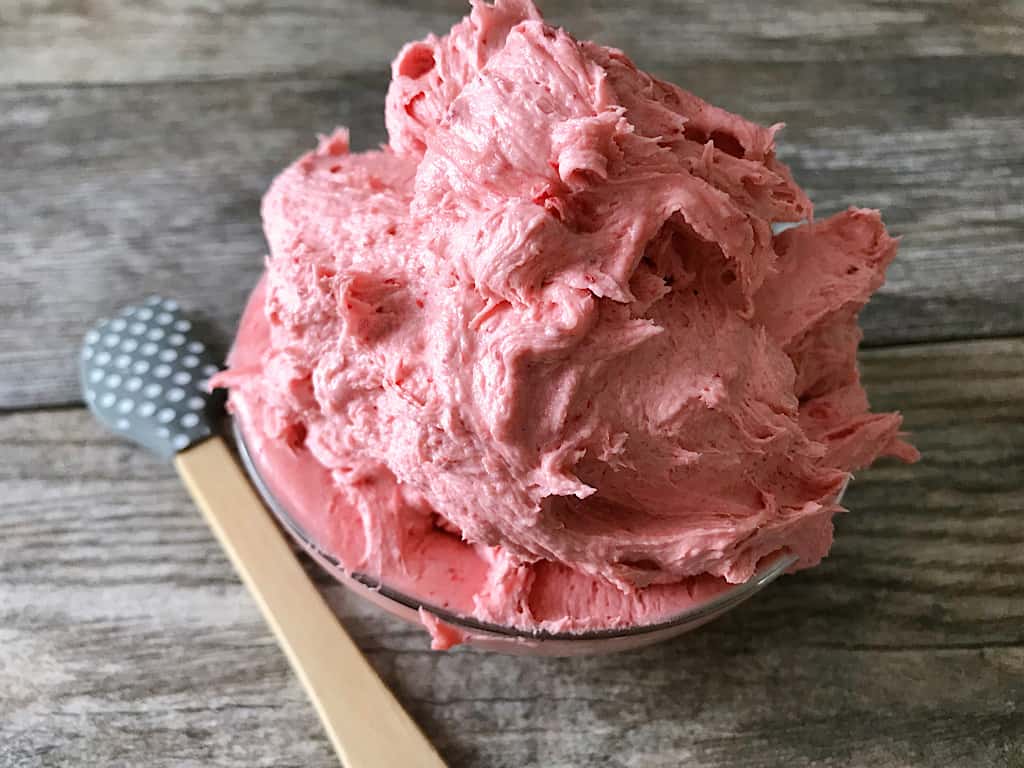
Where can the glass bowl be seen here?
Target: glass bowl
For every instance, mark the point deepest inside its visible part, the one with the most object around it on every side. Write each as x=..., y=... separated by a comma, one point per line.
x=507, y=639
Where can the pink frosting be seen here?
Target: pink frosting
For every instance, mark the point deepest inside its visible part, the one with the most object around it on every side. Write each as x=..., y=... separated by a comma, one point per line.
x=540, y=359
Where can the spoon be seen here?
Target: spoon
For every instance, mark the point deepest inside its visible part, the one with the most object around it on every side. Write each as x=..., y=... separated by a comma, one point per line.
x=144, y=376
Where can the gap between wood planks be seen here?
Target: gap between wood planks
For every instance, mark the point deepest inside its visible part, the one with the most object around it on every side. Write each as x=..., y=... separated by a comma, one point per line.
x=59, y=41
x=866, y=349
x=912, y=637
x=935, y=144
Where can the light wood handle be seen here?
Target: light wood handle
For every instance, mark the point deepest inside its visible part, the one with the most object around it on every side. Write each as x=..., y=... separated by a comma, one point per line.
x=366, y=725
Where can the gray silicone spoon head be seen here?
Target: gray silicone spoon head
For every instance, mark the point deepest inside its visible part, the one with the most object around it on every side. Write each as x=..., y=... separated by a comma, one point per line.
x=144, y=375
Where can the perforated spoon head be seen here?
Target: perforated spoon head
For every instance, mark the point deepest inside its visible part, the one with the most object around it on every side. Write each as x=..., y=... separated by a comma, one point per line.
x=145, y=375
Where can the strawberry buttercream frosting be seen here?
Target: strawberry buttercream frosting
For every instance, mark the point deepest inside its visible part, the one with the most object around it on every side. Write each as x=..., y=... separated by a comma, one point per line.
x=540, y=359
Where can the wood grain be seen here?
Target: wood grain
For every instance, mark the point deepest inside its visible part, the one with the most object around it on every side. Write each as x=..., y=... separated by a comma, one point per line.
x=126, y=640
x=135, y=142
x=57, y=41
x=362, y=720
x=113, y=192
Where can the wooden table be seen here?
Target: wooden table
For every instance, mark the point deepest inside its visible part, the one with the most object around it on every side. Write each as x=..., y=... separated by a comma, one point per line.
x=135, y=142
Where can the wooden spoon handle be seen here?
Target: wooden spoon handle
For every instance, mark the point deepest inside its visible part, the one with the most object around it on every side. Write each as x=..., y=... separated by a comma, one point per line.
x=366, y=725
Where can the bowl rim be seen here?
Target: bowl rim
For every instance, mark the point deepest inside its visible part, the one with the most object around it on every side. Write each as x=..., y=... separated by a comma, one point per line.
x=704, y=611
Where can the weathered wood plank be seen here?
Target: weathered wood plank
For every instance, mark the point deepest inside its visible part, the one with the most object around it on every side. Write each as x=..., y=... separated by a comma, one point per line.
x=107, y=41
x=109, y=192
x=112, y=192
x=125, y=639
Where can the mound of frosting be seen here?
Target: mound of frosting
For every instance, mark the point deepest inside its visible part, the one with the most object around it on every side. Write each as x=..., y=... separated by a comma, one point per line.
x=550, y=322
